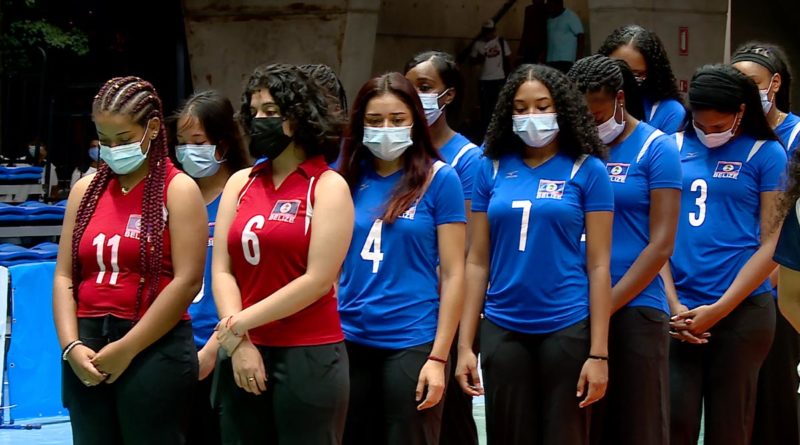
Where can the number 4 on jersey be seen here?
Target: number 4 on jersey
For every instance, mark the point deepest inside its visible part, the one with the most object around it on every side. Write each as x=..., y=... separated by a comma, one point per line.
x=372, y=247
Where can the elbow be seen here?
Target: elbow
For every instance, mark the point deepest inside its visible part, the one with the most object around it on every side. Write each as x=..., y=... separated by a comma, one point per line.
x=663, y=251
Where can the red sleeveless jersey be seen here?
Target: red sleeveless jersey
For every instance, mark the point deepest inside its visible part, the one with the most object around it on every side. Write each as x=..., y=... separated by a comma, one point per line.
x=109, y=253
x=268, y=245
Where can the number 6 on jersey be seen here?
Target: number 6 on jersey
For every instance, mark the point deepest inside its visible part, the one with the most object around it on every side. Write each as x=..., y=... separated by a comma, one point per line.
x=372, y=247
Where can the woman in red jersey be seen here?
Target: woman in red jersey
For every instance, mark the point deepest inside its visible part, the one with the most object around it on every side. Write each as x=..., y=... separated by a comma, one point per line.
x=129, y=263
x=283, y=229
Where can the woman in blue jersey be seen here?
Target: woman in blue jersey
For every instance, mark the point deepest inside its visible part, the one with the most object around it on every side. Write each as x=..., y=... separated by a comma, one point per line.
x=540, y=184
x=210, y=150
x=733, y=166
x=438, y=81
x=777, y=414
x=398, y=315
x=645, y=54
x=645, y=172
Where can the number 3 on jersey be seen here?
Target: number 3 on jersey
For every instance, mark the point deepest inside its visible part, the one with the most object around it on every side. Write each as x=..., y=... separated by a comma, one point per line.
x=372, y=247
x=696, y=219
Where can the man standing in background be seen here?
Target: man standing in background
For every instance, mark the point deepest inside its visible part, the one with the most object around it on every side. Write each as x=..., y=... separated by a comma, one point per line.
x=533, y=44
x=565, y=38
x=495, y=55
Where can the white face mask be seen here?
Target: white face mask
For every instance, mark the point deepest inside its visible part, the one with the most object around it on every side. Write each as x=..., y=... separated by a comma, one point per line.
x=387, y=143
x=430, y=103
x=714, y=140
x=766, y=103
x=536, y=130
x=611, y=129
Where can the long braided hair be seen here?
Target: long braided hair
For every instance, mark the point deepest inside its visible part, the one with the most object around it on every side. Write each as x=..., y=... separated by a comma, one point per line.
x=138, y=99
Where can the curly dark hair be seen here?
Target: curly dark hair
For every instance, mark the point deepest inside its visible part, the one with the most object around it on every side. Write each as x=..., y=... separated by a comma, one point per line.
x=418, y=158
x=445, y=64
x=217, y=117
x=302, y=102
x=325, y=78
x=577, y=130
x=660, y=83
x=777, y=57
x=599, y=73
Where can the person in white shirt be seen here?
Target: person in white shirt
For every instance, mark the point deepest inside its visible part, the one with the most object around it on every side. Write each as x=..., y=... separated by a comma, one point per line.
x=91, y=167
x=565, y=37
x=494, y=53
x=39, y=159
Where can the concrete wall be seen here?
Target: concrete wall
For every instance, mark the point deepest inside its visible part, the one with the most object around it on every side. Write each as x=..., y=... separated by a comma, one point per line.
x=776, y=23
x=228, y=38
x=706, y=20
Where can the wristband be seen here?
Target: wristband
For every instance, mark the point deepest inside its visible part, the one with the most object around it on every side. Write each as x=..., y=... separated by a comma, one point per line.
x=69, y=349
x=599, y=357
x=433, y=358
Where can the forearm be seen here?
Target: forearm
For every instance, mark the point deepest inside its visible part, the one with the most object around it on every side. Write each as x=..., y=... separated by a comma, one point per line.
x=451, y=304
x=227, y=296
x=300, y=293
x=476, y=282
x=641, y=273
x=599, y=309
x=755, y=271
x=64, y=310
x=165, y=312
x=669, y=288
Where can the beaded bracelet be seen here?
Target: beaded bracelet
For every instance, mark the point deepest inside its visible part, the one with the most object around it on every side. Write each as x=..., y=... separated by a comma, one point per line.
x=69, y=349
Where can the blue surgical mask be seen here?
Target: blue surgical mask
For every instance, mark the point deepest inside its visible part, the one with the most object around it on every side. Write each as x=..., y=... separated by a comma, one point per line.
x=536, y=130
x=430, y=103
x=124, y=159
x=94, y=153
x=387, y=143
x=198, y=161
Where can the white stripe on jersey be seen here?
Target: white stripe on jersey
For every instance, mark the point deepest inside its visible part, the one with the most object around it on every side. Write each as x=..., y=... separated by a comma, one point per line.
x=462, y=152
x=647, y=144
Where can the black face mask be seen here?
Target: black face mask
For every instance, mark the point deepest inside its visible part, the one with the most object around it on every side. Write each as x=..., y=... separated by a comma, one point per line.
x=267, y=138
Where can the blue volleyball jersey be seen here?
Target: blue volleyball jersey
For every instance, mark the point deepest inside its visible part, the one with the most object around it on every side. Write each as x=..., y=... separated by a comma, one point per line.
x=389, y=286
x=667, y=115
x=719, y=224
x=538, y=280
x=203, y=310
x=787, y=252
x=789, y=133
x=463, y=156
x=646, y=160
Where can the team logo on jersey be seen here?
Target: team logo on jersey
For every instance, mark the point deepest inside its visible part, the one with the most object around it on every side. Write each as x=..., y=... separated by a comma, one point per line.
x=550, y=189
x=285, y=210
x=618, y=172
x=410, y=213
x=727, y=170
x=134, y=227
x=211, y=225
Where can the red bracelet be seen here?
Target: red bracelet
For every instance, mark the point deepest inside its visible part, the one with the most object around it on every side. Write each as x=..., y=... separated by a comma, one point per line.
x=433, y=358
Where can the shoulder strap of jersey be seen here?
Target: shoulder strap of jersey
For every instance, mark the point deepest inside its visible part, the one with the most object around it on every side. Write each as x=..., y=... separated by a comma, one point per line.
x=434, y=169
x=647, y=143
x=495, y=168
x=469, y=146
x=793, y=136
x=577, y=166
x=312, y=186
x=679, y=136
x=653, y=111
x=757, y=146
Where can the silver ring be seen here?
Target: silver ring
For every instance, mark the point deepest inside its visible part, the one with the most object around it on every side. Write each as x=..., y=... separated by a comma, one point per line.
x=87, y=383
x=251, y=379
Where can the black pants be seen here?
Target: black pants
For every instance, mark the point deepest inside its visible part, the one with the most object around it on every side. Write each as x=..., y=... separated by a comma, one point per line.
x=721, y=377
x=530, y=383
x=383, y=409
x=148, y=403
x=489, y=90
x=458, y=424
x=204, y=419
x=305, y=402
x=635, y=410
x=777, y=400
